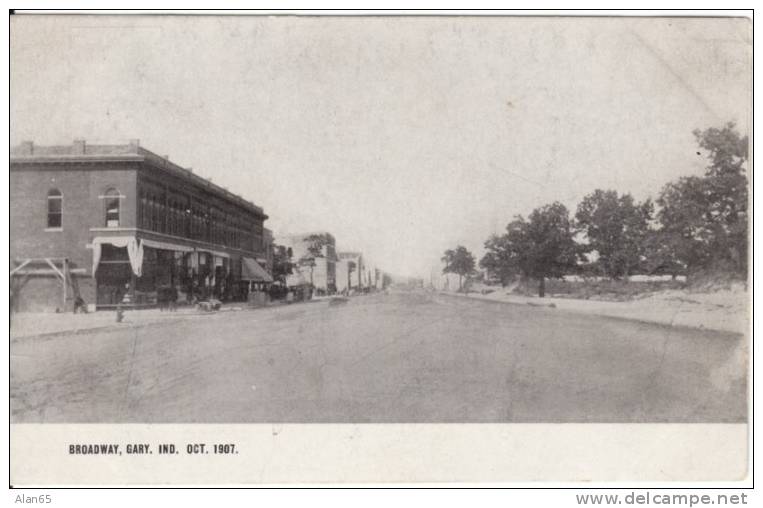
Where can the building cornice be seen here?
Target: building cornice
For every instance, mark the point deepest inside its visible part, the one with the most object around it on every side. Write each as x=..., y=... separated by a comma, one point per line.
x=124, y=153
x=179, y=239
x=58, y=159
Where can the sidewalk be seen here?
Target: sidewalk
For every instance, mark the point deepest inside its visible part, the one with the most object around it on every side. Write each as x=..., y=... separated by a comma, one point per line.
x=724, y=312
x=29, y=324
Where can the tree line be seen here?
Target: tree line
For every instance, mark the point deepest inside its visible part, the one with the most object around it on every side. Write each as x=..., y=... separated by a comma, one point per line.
x=697, y=223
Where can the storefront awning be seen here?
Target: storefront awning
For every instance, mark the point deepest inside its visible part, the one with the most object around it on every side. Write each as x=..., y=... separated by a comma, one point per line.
x=251, y=270
x=214, y=252
x=181, y=248
x=165, y=245
x=134, y=251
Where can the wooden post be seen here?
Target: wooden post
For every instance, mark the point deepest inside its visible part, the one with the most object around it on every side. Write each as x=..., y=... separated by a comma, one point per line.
x=58, y=272
x=65, y=277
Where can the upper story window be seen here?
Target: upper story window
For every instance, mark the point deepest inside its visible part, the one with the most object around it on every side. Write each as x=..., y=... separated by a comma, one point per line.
x=111, y=202
x=55, y=209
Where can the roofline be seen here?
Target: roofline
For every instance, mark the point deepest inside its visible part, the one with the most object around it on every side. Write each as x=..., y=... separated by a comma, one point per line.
x=164, y=164
x=355, y=254
x=305, y=235
x=146, y=156
x=123, y=157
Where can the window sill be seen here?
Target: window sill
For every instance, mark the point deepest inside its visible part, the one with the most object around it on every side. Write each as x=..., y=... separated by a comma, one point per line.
x=54, y=230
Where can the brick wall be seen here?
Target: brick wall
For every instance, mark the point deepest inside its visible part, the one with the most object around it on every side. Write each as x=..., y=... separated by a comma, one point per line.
x=81, y=187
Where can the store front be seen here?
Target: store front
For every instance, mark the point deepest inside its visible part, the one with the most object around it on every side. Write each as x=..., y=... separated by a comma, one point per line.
x=117, y=262
x=145, y=273
x=113, y=276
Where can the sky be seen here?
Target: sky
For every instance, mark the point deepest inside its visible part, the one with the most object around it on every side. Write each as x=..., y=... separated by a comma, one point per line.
x=402, y=136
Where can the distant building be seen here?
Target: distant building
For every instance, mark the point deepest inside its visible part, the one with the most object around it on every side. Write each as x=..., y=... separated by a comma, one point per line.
x=342, y=275
x=350, y=269
x=378, y=279
x=319, y=267
x=267, y=249
x=112, y=225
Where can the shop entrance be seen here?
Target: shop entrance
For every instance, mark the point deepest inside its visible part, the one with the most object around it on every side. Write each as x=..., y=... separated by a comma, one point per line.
x=113, y=277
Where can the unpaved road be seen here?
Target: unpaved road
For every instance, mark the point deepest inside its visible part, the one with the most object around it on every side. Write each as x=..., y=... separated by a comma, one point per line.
x=401, y=357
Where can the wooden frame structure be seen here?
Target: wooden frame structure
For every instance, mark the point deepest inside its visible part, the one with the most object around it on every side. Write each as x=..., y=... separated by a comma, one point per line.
x=63, y=273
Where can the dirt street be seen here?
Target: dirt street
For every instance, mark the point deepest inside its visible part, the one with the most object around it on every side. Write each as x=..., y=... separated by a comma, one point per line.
x=398, y=357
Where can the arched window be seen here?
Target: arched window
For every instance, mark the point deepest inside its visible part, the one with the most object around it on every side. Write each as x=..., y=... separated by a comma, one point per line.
x=55, y=209
x=111, y=202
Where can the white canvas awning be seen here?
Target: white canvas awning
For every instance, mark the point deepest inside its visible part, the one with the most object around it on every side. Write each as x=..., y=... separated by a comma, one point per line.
x=134, y=251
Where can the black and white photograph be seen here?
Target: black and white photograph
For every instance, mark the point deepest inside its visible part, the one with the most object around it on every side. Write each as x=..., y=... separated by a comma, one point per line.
x=292, y=222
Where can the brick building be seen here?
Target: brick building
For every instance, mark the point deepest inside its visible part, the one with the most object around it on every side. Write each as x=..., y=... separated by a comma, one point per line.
x=118, y=224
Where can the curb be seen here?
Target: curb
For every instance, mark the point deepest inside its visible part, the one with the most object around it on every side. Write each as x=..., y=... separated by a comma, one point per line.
x=82, y=331
x=114, y=326
x=602, y=315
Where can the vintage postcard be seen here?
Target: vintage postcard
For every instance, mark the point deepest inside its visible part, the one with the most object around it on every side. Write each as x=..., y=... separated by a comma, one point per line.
x=256, y=249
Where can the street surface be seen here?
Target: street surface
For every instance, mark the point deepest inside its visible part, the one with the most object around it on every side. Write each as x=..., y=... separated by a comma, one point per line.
x=397, y=357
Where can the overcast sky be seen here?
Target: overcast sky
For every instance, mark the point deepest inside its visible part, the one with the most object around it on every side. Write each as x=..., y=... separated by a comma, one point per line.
x=401, y=136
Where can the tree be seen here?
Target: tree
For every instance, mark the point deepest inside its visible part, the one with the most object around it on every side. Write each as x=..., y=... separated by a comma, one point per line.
x=661, y=250
x=459, y=261
x=282, y=263
x=726, y=193
x=316, y=242
x=546, y=247
x=727, y=150
x=616, y=228
x=705, y=218
x=685, y=234
x=540, y=247
x=315, y=246
x=499, y=260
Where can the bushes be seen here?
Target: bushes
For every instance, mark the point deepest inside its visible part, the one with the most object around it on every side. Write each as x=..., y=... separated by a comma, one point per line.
x=599, y=288
x=719, y=276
